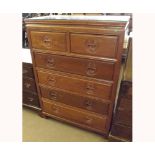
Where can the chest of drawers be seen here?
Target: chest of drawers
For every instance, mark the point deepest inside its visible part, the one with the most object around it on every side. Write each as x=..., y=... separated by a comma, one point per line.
x=77, y=63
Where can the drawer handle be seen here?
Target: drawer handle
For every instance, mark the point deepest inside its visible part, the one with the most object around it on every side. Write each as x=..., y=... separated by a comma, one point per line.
x=53, y=95
x=25, y=71
x=55, y=109
x=27, y=85
x=51, y=81
x=88, y=120
x=46, y=41
x=30, y=99
x=91, y=45
x=88, y=104
x=50, y=62
x=90, y=88
x=91, y=69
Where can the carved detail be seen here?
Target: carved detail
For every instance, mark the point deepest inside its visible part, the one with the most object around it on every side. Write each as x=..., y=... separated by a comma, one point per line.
x=91, y=69
x=91, y=45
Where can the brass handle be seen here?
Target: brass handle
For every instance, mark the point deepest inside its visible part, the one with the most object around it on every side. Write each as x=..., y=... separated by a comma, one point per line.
x=53, y=95
x=88, y=104
x=91, y=69
x=88, y=120
x=27, y=85
x=25, y=71
x=47, y=41
x=30, y=99
x=50, y=62
x=90, y=88
x=51, y=81
x=91, y=45
x=55, y=109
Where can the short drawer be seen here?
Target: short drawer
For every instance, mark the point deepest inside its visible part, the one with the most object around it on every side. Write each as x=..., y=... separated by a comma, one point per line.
x=30, y=99
x=29, y=85
x=72, y=114
x=49, y=41
x=86, y=67
x=28, y=70
x=74, y=100
x=74, y=84
x=95, y=45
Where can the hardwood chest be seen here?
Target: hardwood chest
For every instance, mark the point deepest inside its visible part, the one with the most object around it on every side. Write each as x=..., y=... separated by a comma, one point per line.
x=30, y=96
x=77, y=61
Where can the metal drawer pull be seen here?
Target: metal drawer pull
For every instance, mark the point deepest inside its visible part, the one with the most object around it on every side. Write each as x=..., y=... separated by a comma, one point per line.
x=51, y=81
x=30, y=99
x=88, y=120
x=91, y=69
x=27, y=85
x=90, y=88
x=50, y=62
x=25, y=71
x=55, y=109
x=91, y=45
x=53, y=95
x=88, y=104
x=47, y=41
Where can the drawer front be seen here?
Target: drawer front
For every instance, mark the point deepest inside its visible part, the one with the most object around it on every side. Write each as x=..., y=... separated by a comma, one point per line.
x=72, y=84
x=75, y=100
x=86, y=67
x=49, y=41
x=121, y=131
x=123, y=117
x=96, y=45
x=28, y=71
x=125, y=104
x=29, y=85
x=75, y=115
x=30, y=99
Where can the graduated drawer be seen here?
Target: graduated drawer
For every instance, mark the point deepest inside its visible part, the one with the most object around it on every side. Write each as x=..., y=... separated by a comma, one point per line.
x=81, y=66
x=75, y=100
x=75, y=115
x=30, y=99
x=28, y=70
x=96, y=45
x=29, y=84
x=48, y=40
x=76, y=84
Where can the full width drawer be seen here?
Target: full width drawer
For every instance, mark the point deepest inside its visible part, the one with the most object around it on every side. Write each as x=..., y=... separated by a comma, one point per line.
x=74, y=84
x=49, y=41
x=75, y=115
x=90, y=104
x=87, y=67
x=96, y=45
x=31, y=99
x=29, y=85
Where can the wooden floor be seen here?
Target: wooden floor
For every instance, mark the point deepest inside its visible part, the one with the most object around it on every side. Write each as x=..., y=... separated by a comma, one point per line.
x=37, y=129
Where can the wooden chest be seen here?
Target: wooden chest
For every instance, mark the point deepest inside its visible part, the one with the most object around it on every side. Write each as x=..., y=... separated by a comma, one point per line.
x=30, y=96
x=77, y=63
